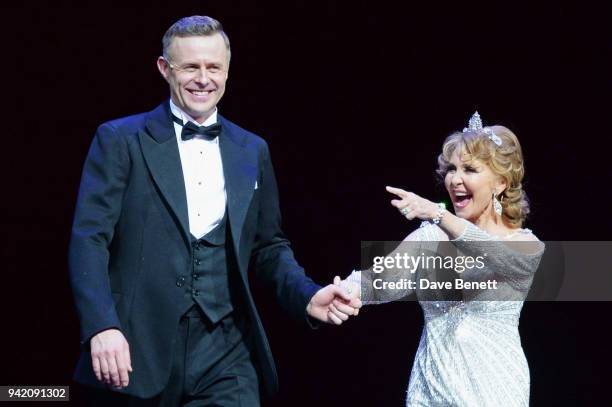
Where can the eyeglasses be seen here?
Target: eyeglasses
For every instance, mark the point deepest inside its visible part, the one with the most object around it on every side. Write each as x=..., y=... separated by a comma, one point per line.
x=192, y=69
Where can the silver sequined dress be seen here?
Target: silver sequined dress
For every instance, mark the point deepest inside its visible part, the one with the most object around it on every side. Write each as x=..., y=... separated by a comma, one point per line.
x=470, y=352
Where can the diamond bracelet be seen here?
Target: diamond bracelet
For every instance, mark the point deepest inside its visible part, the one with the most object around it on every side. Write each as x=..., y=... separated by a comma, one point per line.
x=441, y=209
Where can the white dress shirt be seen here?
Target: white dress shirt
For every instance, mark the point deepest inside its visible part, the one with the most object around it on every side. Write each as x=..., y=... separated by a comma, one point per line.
x=203, y=175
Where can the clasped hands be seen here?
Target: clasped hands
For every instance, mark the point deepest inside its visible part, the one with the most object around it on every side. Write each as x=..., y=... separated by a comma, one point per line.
x=336, y=302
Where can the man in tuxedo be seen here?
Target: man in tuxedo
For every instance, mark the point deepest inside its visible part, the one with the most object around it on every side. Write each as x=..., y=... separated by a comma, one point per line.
x=176, y=208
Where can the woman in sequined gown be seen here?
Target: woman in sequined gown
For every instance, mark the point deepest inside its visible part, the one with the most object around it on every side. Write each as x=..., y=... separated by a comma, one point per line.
x=470, y=350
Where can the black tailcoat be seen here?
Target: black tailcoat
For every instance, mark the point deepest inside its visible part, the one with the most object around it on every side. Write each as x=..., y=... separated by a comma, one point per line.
x=130, y=241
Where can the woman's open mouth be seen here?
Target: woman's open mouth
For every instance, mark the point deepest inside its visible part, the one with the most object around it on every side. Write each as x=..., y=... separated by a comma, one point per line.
x=461, y=200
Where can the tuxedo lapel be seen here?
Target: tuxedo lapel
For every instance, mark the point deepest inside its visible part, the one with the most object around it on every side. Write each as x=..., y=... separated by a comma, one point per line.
x=160, y=150
x=240, y=171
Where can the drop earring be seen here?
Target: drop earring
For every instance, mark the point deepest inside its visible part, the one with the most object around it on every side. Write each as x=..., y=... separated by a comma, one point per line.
x=497, y=205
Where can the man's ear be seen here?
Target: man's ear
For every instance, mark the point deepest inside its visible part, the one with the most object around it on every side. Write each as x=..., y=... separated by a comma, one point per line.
x=163, y=67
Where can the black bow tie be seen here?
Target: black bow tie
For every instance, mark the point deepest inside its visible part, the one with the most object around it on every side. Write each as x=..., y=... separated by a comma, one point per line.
x=190, y=130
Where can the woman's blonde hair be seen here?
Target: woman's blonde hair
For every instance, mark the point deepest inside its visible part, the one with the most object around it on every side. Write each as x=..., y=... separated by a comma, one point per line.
x=505, y=160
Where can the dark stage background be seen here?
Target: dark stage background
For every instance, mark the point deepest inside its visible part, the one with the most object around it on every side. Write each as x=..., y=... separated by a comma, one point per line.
x=351, y=96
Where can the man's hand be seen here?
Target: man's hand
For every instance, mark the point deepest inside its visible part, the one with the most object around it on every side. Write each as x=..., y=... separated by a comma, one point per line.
x=352, y=288
x=110, y=358
x=333, y=304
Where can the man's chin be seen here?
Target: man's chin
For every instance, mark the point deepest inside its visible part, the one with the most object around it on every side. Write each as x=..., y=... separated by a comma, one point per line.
x=200, y=113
